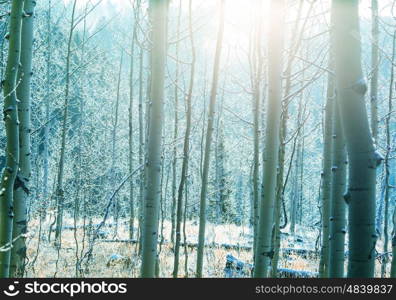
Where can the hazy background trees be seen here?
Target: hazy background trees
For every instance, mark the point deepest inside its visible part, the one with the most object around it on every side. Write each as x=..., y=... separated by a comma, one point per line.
x=155, y=137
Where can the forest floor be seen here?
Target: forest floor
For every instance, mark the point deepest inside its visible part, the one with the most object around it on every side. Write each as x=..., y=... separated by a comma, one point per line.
x=113, y=259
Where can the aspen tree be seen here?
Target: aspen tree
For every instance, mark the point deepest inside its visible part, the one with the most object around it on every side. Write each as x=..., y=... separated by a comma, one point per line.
x=186, y=149
x=11, y=121
x=59, y=187
x=326, y=180
x=158, y=15
x=208, y=142
x=175, y=130
x=274, y=102
x=296, y=189
x=47, y=109
x=280, y=189
x=393, y=266
x=21, y=187
x=257, y=66
x=363, y=159
x=130, y=136
x=113, y=177
x=374, y=68
x=141, y=145
x=337, y=206
x=387, y=166
x=337, y=220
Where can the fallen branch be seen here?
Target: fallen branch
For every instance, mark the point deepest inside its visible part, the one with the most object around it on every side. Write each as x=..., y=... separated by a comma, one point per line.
x=236, y=268
x=71, y=227
x=189, y=245
x=305, y=253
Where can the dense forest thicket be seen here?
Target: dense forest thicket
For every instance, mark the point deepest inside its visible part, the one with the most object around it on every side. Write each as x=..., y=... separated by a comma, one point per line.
x=197, y=138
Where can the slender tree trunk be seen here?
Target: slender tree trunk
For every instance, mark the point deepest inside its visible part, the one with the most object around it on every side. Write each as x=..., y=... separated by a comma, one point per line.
x=387, y=166
x=208, y=142
x=184, y=230
x=47, y=115
x=280, y=184
x=374, y=93
x=293, y=198
x=175, y=131
x=131, y=145
x=141, y=148
x=162, y=214
x=337, y=203
x=59, y=193
x=21, y=187
x=275, y=63
x=393, y=266
x=78, y=165
x=219, y=153
x=363, y=159
x=186, y=149
x=326, y=180
x=374, y=68
x=301, y=177
x=11, y=121
x=296, y=189
x=113, y=175
x=276, y=239
x=158, y=14
x=257, y=66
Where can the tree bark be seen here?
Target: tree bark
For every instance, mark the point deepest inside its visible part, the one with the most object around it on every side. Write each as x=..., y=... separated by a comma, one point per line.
x=113, y=174
x=337, y=204
x=47, y=113
x=59, y=193
x=21, y=187
x=141, y=147
x=393, y=266
x=374, y=68
x=208, y=142
x=175, y=131
x=263, y=249
x=387, y=166
x=130, y=138
x=11, y=121
x=257, y=76
x=363, y=159
x=158, y=14
x=326, y=179
x=186, y=149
